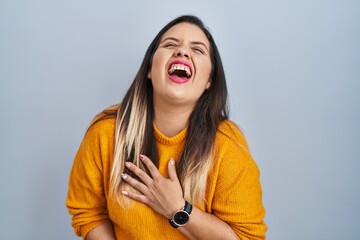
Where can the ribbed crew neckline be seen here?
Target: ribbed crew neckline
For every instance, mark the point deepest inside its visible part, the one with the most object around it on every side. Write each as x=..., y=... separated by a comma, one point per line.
x=161, y=138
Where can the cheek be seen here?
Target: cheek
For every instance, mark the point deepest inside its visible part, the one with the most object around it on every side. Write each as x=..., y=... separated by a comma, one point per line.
x=207, y=74
x=158, y=61
x=153, y=64
x=205, y=69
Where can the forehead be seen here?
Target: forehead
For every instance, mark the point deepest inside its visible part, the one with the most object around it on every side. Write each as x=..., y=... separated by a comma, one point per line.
x=186, y=32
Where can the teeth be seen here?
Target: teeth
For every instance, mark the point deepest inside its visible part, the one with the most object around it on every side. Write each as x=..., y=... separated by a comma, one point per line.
x=180, y=67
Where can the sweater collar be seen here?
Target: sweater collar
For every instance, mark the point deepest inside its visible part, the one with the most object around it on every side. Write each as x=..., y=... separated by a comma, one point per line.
x=161, y=138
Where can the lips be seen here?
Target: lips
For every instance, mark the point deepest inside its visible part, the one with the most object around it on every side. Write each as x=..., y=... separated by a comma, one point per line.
x=179, y=71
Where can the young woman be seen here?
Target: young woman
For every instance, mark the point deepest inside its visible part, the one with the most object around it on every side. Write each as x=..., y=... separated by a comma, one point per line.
x=167, y=163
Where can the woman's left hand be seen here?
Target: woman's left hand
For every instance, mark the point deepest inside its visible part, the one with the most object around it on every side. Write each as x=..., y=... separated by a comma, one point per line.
x=162, y=194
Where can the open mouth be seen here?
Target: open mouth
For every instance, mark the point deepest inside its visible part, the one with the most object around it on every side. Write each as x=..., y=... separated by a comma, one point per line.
x=180, y=70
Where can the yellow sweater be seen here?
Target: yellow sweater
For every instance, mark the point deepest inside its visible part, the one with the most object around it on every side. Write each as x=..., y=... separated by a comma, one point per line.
x=233, y=193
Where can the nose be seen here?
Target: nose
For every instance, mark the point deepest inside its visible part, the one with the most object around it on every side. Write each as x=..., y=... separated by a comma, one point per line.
x=181, y=51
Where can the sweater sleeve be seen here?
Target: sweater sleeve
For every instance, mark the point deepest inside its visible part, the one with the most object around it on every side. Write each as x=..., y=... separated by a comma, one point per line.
x=86, y=199
x=238, y=195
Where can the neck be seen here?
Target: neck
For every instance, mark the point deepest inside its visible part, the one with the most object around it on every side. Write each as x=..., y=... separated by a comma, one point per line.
x=170, y=120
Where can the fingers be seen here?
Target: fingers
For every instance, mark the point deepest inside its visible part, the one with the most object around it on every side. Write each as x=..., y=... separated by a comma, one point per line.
x=150, y=165
x=135, y=183
x=136, y=196
x=144, y=195
x=158, y=192
x=172, y=170
x=153, y=170
x=140, y=173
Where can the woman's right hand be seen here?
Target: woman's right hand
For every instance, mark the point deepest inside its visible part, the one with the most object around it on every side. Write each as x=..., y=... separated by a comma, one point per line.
x=162, y=194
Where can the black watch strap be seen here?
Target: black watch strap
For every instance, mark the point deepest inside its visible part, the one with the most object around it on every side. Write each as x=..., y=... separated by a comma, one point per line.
x=187, y=208
x=173, y=224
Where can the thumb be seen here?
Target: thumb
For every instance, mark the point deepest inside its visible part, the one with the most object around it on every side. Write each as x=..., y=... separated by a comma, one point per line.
x=172, y=170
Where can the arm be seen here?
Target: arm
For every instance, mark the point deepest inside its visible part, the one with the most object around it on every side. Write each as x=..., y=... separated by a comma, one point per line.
x=164, y=195
x=204, y=225
x=238, y=196
x=86, y=200
x=104, y=231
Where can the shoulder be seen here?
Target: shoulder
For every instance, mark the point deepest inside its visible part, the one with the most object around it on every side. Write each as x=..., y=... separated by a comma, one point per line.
x=233, y=161
x=96, y=149
x=229, y=133
x=232, y=153
x=103, y=124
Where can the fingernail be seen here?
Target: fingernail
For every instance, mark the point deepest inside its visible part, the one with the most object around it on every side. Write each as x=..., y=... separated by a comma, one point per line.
x=123, y=176
x=172, y=162
x=127, y=164
x=142, y=157
x=125, y=193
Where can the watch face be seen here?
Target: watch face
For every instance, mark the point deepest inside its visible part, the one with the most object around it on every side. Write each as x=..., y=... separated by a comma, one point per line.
x=181, y=218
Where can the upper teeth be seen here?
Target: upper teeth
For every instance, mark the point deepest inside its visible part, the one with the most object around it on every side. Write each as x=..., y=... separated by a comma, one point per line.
x=180, y=67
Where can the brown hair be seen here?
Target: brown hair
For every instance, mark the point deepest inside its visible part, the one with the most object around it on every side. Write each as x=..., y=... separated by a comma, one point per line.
x=134, y=133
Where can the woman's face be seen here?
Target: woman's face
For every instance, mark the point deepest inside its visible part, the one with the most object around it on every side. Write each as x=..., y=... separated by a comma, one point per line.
x=181, y=66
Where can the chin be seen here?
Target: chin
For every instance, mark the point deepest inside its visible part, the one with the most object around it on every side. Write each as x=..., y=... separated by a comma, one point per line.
x=177, y=97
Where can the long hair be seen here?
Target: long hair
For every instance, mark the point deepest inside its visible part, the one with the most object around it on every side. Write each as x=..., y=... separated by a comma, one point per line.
x=134, y=133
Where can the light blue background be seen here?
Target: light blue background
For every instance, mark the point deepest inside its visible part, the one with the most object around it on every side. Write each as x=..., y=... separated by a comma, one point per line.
x=293, y=71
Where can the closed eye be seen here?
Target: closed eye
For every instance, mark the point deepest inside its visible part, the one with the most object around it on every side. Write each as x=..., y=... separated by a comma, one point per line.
x=169, y=44
x=198, y=50
x=200, y=47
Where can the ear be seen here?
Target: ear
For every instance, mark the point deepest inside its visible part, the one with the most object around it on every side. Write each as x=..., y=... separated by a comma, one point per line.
x=208, y=84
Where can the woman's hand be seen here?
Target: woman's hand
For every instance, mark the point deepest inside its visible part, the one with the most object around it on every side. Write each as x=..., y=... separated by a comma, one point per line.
x=165, y=196
x=162, y=194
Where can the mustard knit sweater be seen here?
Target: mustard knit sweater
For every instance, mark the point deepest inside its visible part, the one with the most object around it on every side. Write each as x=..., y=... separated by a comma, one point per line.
x=233, y=192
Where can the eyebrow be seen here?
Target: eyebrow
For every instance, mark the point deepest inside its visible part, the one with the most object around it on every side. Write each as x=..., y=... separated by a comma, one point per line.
x=193, y=43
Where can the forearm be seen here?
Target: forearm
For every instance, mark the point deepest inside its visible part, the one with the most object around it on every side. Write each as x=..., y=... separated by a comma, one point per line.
x=204, y=225
x=104, y=231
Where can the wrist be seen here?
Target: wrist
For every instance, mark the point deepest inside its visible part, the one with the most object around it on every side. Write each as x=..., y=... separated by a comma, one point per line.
x=179, y=205
x=182, y=216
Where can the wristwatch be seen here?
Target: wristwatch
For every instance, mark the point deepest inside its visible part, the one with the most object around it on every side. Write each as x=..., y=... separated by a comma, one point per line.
x=181, y=217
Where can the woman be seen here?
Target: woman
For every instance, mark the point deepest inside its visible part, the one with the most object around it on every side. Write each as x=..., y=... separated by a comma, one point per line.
x=167, y=163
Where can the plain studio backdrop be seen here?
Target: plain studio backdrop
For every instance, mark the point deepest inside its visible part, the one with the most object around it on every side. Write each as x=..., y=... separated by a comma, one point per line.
x=293, y=72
